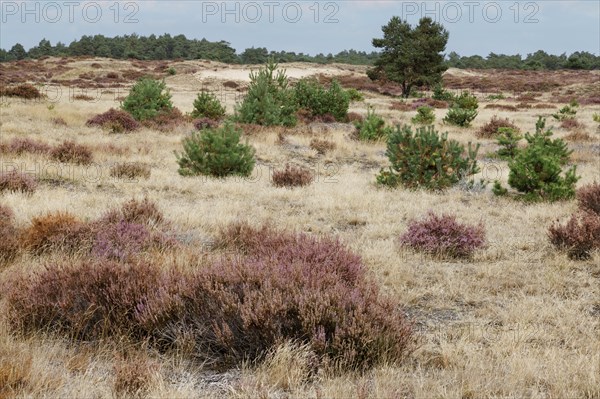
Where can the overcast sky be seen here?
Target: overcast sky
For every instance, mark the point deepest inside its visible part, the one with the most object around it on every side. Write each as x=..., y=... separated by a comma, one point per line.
x=476, y=27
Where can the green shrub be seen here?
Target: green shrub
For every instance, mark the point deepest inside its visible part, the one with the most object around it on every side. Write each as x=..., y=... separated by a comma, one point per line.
x=463, y=110
x=171, y=71
x=441, y=94
x=269, y=100
x=460, y=116
x=425, y=116
x=207, y=105
x=508, y=140
x=567, y=112
x=355, y=95
x=535, y=171
x=313, y=97
x=498, y=96
x=426, y=159
x=596, y=117
x=216, y=152
x=147, y=98
x=372, y=127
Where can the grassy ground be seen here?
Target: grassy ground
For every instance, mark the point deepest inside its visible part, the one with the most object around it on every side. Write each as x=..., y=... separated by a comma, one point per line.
x=519, y=320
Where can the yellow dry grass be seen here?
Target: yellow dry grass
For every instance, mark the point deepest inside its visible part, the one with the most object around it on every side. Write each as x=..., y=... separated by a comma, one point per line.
x=519, y=320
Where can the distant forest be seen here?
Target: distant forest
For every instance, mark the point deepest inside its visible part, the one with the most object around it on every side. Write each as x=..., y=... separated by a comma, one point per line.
x=167, y=47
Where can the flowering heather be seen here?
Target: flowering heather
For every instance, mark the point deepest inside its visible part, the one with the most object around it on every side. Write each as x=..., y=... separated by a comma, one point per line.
x=71, y=152
x=9, y=244
x=443, y=236
x=26, y=145
x=14, y=181
x=292, y=176
x=579, y=236
x=588, y=198
x=117, y=121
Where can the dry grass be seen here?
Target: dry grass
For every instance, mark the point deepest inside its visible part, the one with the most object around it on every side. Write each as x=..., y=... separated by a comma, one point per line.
x=518, y=320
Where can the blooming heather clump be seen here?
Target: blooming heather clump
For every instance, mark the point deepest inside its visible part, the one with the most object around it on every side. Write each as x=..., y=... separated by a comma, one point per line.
x=71, y=152
x=9, y=244
x=588, y=198
x=579, y=236
x=117, y=121
x=292, y=176
x=26, y=145
x=14, y=181
x=443, y=236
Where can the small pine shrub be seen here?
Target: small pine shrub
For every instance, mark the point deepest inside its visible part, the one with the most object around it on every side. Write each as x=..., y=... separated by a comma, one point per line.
x=205, y=123
x=25, y=91
x=425, y=116
x=460, y=116
x=426, y=159
x=567, y=112
x=322, y=146
x=130, y=170
x=117, y=121
x=508, y=140
x=9, y=244
x=269, y=100
x=292, y=176
x=71, y=152
x=147, y=98
x=14, y=181
x=372, y=128
x=443, y=236
x=207, y=105
x=216, y=152
x=465, y=101
x=310, y=95
x=579, y=236
x=441, y=94
x=535, y=171
x=492, y=128
x=26, y=145
x=171, y=71
x=354, y=95
x=59, y=231
x=588, y=198
x=596, y=117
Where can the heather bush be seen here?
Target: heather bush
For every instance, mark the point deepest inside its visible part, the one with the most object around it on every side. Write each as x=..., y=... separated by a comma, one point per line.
x=372, y=127
x=588, y=198
x=571, y=124
x=20, y=145
x=58, y=231
x=71, y=152
x=354, y=117
x=492, y=128
x=322, y=146
x=567, y=112
x=14, y=181
x=535, y=171
x=205, y=123
x=579, y=236
x=442, y=235
x=124, y=240
x=281, y=287
x=207, y=105
x=216, y=152
x=147, y=98
x=310, y=95
x=269, y=100
x=292, y=176
x=426, y=159
x=9, y=244
x=117, y=121
x=136, y=211
x=130, y=170
x=25, y=91
x=425, y=116
x=165, y=120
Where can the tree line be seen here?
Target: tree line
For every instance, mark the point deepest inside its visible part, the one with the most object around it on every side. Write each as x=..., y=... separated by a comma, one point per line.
x=167, y=47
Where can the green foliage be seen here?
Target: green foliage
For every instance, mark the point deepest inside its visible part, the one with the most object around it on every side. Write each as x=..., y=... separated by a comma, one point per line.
x=508, y=140
x=171, y=71
x=372, y=128
x=207, y=105
x=460, y=116
x=498, y=189
x=312, y=96
x=355, y=95
x=269, y=100
x=216, y=152
x=426, y=159
x=567, y=112
x=535, y=171
x=498, y=96
x=441, y=94
x=411, y=56
x=425, y=116
x=596, y=117
x=463, y=110
x=147, y=98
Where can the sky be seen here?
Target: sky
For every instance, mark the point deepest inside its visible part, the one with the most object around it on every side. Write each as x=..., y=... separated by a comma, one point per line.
x=312, y=27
